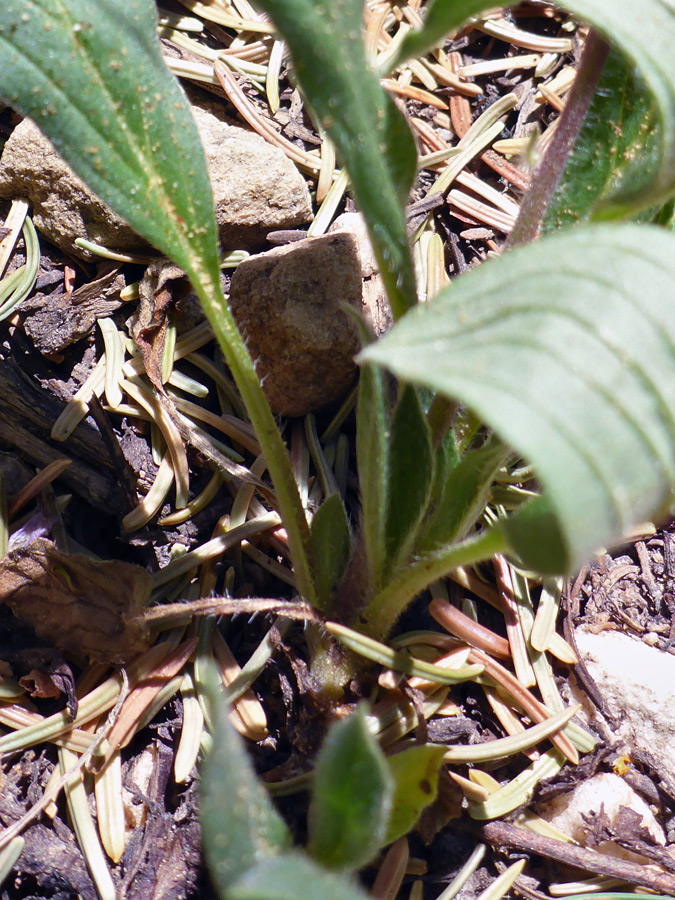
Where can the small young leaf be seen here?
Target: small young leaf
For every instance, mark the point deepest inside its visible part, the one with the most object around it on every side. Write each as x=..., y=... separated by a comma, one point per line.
x=372, y=426
x=463, y=497
x=240, y=825
x=370, y=134
x=646, y=39
x=331, y=542
x=415, y=774
x=574, y=368
x=293, y=876
x=351, y=800
x=411, y=469
x=90, y=73
x=617, y=143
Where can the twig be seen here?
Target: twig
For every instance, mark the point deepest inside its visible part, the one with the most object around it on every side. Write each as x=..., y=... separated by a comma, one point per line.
x=539, y=196
x=500, y=834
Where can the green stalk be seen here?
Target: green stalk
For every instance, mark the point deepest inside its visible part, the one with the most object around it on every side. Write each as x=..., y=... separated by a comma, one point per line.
x=278, y=464
x=378, y=618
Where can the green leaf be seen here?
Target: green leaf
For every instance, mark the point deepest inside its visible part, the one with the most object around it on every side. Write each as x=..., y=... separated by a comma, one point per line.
x=645, y=35
x=567, y=349
x=411, y=470
x=240, y=825
x=90, y=73
x=616, y=144
x=294, y=877
x=415, y=774
x=351, y=799
x=372, y=427
x=371, y=136
x=463, y=497
x=331, y=543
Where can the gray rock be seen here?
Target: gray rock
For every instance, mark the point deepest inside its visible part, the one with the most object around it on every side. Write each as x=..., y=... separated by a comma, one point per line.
x=256, y=189
x=287, y=303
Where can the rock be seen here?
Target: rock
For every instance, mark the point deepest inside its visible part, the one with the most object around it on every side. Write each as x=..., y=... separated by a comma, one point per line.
x=604, y=794
x=287, y=303
x=376, y=309
x=256, y=189
x=638, y=683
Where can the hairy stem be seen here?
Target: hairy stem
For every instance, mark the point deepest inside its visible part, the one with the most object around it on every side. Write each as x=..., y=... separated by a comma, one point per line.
x=538, y=198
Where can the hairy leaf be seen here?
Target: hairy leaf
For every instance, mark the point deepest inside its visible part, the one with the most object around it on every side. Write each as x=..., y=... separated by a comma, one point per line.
x=371, y=136
x=411, y=469
x=415, y=774
x=350, y=806
x=373, y=466
x=239, y=823
x=617, y=143
x=331, y=542
x=89, y=72
x=463, y=496
x=644, y=32
x=575, y=371
x=294, y=877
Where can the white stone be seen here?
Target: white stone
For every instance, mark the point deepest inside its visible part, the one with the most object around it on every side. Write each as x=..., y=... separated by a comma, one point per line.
x=638, y=684
x=606, y=791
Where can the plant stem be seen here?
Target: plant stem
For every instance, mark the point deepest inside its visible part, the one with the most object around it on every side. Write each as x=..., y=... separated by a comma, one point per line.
x=377, y=619
x=278, y=464
x=538, y=198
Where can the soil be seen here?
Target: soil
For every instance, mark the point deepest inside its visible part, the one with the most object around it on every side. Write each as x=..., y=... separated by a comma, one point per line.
x=48, y=349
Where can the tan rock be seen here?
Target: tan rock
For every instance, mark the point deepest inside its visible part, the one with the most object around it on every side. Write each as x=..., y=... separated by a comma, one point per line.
x=376, y=309
x=256, y=189
x=288, y=304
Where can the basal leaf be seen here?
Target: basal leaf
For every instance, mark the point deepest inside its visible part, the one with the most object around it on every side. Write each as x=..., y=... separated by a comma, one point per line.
x=351, y=800
x=372, y=426
x=371, y=136
x=645, y=34
x=415, y=774
x=617, y=143
x=411, y=469
x=567, y=349
x=90, y=73
x=463, y=496
x=240, y=825
x=331, y=541
x=293, y=876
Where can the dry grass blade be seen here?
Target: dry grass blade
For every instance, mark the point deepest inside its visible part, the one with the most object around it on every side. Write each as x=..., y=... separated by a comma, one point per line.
x=192, y=729
x=14, y=223
x=36, y=485
x=247, y=714
x=391, y=871
x=110, y=808
x=524, y=698
x=454, y=621
x=142, y=696
x=514, y=631
x=153, y=500
x=259, y=124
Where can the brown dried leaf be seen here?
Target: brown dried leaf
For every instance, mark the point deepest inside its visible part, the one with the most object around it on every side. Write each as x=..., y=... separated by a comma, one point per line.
x=79, y=605
x=156, y=301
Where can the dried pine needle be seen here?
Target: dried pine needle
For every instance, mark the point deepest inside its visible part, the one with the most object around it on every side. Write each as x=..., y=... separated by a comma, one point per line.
x=110, y=808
